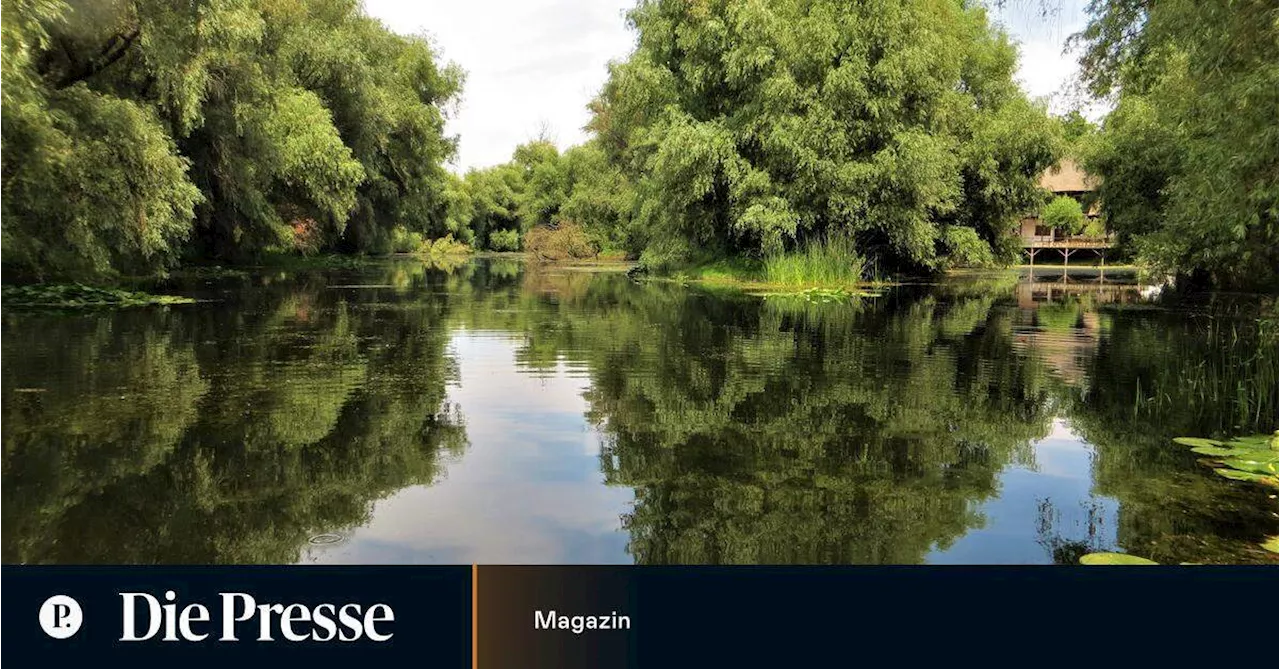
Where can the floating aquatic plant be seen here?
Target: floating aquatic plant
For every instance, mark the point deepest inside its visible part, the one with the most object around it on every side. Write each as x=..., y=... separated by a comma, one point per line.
x=822, y=294
x=1097, y=559
x=77, y=295
x=1254, y=458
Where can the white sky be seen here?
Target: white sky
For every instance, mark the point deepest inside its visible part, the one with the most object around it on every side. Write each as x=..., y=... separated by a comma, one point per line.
x=533, y=65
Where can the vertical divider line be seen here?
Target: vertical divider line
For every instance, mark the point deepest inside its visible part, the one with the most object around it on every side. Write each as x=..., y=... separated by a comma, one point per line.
x=475, y=616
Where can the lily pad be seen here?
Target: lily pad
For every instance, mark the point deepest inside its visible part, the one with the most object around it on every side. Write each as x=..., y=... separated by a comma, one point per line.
x=76, y=296
x=1246, y=464
x=1246, y=476
x=1213, y=450
x=1198, y=442
x=1253, y=458
x=1260, y=441
x=1258, y=454
x=1114, y=559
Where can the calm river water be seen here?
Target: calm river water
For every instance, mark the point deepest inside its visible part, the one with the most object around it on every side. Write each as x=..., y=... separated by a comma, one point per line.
x=501, y=412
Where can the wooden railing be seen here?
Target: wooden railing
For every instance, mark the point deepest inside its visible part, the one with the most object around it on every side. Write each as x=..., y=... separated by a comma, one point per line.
x=1068, y=242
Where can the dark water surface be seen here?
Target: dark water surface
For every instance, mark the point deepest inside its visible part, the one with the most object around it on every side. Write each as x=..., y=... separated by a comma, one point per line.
x=504, y=413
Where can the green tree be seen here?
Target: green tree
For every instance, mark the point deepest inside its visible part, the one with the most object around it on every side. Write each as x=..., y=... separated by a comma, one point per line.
x=546, y=183
x=603, y=200
x=1188, y=157
x=133, y=126
x=495, y=194
x=751, y=127
x=92, y=182
x=1076, y=128
x=542, y=187
x=1063, y=213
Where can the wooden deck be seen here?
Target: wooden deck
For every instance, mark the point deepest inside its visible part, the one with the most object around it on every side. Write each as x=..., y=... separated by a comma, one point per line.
x=1033, y=245
x=1069, y=242
x=1081, y=242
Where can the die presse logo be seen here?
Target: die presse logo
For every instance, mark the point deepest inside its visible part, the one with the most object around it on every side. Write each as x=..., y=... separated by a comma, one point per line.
x=60, y=616
x=234, y=616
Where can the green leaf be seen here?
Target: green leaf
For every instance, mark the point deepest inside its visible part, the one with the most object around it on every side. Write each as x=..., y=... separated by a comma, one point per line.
x=1254, y=441
x=1197, y=441
x=1096, y=559
x=1271, y=544
x=1251, y=477
x=1256, y=456
x=1254, y=466
x=1213, y=450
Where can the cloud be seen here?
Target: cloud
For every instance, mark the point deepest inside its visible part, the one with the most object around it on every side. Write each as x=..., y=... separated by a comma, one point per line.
x=1046, y=68
x=536, y=64
x=530, y=64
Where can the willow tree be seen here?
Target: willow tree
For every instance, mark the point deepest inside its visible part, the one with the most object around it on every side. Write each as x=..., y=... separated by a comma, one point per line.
x=1188, y=157
x=91, y=181
x=132, y=124
x=751, y=127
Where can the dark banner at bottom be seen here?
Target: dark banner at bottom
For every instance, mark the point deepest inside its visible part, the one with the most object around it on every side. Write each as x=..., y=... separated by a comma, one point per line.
x=498, y=617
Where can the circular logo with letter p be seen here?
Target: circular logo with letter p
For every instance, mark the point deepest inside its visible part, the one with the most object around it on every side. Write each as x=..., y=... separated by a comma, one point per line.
x=60, y=616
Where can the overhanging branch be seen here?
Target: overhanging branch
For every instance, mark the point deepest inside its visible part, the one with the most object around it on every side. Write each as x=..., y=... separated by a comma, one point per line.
x=112, y=51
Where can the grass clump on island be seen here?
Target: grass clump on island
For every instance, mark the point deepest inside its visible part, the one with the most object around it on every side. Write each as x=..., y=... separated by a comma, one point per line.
x=76, y=295
x=822, y=269
x=827, y=263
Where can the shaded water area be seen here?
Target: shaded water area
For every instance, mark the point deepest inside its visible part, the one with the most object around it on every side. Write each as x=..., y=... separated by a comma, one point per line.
x=502, y=412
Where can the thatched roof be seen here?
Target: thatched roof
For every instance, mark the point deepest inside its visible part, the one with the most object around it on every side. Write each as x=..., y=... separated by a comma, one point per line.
x=1067, y=177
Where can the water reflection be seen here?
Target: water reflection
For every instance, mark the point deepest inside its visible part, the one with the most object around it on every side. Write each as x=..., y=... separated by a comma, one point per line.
x=498, y=412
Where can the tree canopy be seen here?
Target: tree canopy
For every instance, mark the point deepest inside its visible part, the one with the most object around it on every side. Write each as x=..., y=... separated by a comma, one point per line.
x=137, y=130
x=1064, y=213
x=543, y=187
x=1188, y=158
x=139, y=133
x=752, y=127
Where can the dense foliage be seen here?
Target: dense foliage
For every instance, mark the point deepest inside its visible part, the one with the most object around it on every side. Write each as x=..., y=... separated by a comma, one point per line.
x=542, y=189
x=1063, y=213
x=751, y=128
x=135, y=130
x=1188, y=158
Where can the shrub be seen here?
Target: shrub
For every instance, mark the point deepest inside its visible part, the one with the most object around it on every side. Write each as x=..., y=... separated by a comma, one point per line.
x=444, y=246
x=565, y=241
x=405, y=241
x=965, y=248
x=1064, y=213
x=306, y=238
x=505, y=240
